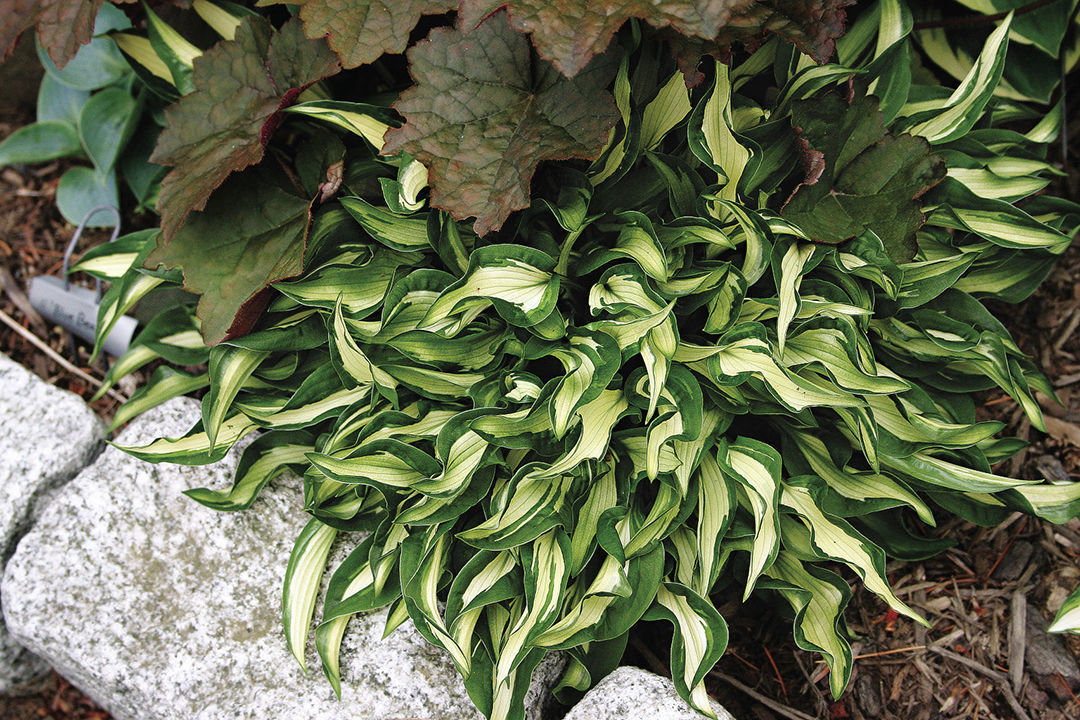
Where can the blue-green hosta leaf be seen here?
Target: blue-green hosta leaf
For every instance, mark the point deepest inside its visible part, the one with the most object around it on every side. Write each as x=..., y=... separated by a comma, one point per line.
x=106, y=123
x=517, y=280
x=81, y=189
x=59, y=102
x=302, y=578
x=39, y=142
x=836, y=539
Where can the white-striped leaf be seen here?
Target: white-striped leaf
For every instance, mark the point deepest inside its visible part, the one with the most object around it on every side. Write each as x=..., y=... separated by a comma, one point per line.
x=302, y=578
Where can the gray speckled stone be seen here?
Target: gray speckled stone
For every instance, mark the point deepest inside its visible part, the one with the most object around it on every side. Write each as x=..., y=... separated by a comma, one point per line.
x=631, y=692
x=162, y=609
x=47, y=436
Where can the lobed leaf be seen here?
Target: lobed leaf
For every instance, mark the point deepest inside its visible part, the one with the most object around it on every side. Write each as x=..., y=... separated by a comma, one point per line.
x=255, y=230
x=859, y=176
x=361, y=31
x=224, y=125
x=482, y=122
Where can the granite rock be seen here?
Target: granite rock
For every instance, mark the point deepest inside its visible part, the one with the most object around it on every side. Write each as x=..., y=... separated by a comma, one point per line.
x=159, y=608
x=47, y=435
x=631, y=692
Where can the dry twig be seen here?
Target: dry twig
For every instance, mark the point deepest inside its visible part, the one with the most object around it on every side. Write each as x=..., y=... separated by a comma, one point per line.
x=55, y=356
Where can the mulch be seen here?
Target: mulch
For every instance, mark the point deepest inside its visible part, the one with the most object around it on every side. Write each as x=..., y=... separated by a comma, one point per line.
x=966, y=665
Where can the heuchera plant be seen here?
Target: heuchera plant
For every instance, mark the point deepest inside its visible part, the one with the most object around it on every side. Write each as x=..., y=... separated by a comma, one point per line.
x=727, y=342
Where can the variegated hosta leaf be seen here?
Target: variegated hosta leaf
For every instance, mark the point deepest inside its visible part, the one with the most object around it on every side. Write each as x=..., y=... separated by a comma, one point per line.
x=302, y=579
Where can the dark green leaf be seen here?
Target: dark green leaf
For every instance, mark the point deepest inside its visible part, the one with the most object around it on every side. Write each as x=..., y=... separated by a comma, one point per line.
x=859, y=176
x=252, y=233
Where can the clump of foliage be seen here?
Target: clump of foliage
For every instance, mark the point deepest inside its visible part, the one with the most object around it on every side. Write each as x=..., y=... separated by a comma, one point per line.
x=729, y=341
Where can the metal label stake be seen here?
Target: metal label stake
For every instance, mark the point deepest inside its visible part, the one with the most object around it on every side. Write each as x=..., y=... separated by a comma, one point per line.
x=75, y=308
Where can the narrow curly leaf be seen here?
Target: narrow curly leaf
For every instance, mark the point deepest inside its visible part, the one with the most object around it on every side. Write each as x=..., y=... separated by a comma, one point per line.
x=859, y=176
x=482, y=121
x=252, y=233
x=360, y=31
x=241, y=85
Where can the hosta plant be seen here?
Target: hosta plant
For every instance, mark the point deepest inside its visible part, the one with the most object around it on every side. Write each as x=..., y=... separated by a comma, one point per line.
x=93, y=109
x=735, y=354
